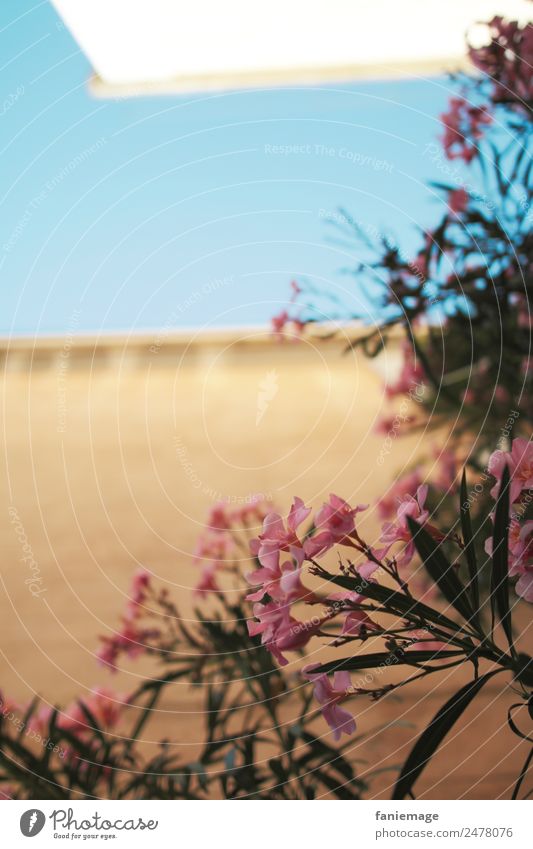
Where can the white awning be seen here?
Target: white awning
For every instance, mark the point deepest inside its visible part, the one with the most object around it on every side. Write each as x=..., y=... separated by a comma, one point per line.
x=164, y=46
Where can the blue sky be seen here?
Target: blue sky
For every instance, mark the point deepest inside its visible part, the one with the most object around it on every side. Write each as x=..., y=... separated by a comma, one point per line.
x=191, y=210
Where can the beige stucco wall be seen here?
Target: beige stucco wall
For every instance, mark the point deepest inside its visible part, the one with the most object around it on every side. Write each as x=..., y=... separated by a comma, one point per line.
x=114, y=449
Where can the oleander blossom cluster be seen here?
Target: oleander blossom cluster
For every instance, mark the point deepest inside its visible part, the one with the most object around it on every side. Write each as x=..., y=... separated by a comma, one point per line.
x=220, y=549
x=132, y=638
x=282, y=550
x=506, y=59
x=102, y=705
x=463, y=129
x=289, y=548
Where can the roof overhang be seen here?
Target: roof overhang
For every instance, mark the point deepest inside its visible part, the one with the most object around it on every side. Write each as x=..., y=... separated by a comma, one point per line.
x=146, y=47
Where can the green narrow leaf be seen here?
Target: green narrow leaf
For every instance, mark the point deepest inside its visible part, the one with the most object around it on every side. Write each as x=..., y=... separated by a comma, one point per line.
x=80, y=750
x=396, y=602
x=523, y=773
x=45, y=761
x=444, y=187
x=92, y=723
x=28, y=715
x=371, y=660
x=215, y=700
x=320, y=751
x=278, y=770
x=146, y=713
x=159, y=683
x=442, y=572
x=36, y=771
x=341, y=791
x=430, y=739
x=466, y=526
x=499, y=595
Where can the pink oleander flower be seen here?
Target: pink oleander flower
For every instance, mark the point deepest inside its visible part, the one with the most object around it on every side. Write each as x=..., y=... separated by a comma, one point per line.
x=521, y=561
x=411, y=374
x=219, y=518
x=281, y=584
x=524, y=585
x=223, y=518
x=140, y=586
x=131, y=638
x=355, y=621
x=328, y=695
x=216, y=546
x=458, y=200
x=367, y=569
x=408, y=485
x=105, y=705
x=131, y=641
x=520, y=462
x=334, y=522
x=280, y=580
x=279, y=322
x=296, y=291
x=520, y=556
x=207, y=582
x=507, y=59
x=213, y=546
x=214, y=549
x=279, y=631
x=337, y=517
x=8, y=705
x=277, y=537
x=398, y=531
x=463, y=127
